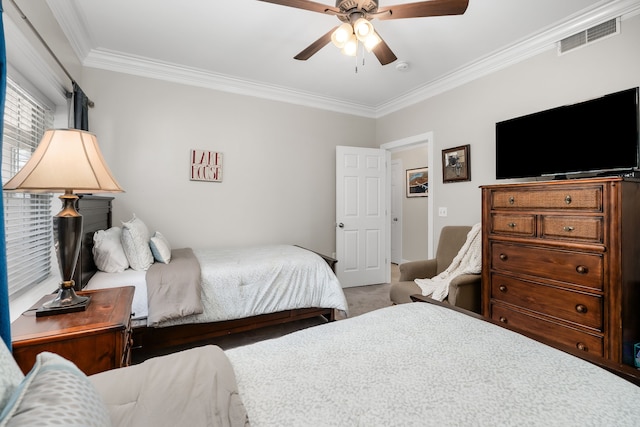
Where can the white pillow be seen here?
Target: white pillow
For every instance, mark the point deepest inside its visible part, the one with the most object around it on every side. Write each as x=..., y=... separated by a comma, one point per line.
x=135, y=242
x=108, y=253
x=160, y=248
x=10, y=376
x=54, y=393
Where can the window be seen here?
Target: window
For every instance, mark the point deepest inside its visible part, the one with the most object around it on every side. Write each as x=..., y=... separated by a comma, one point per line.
x=28, y=225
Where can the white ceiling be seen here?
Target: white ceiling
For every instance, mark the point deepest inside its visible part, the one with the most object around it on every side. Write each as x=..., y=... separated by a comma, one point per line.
x=247, y=46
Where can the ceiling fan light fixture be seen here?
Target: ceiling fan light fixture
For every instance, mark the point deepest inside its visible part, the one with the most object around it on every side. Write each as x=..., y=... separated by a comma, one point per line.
x=351, y=46
x=363, y=29
x=371, y=41
x=342, y=35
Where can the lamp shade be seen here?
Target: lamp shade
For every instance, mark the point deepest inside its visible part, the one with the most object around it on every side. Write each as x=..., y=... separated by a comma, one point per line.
x=372, y=41
x=351, y=46
x=341, y=35
x=65, y=160
x=362, y=29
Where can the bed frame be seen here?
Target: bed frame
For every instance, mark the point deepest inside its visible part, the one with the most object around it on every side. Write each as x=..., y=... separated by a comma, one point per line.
x=97, y=215
x=627, y=372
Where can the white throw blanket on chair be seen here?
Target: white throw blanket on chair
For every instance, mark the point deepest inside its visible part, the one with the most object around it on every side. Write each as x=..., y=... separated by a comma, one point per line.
x=467, y=261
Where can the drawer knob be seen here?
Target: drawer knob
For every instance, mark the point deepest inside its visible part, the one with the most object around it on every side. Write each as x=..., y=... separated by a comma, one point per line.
x=503, y=319
x=568, y=228
x=512, y=200
x=581, y=269
x=502, y=288
x=581, y=308
x=567, y=200
x=582, y=346
x=511, y=225
x=504, y=257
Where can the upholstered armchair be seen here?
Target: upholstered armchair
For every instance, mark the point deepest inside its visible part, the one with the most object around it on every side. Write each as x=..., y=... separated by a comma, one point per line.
x=464, y=290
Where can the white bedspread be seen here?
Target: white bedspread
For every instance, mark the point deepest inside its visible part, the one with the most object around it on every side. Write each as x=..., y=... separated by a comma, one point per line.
x=249, y=281
x=244, y=282
x=422, y=365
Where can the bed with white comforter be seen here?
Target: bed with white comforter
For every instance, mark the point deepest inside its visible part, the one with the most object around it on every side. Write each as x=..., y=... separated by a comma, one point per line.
x=420, y=364
x=244, y=282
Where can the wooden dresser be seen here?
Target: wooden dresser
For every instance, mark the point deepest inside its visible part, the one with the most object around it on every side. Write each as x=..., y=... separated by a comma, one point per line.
x=561, y=260
x=96, y=340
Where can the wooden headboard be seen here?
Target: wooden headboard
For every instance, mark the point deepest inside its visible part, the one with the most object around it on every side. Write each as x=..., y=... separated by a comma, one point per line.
x=96, y=215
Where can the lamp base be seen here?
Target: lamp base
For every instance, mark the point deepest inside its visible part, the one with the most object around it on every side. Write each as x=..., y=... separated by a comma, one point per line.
x=66, y=301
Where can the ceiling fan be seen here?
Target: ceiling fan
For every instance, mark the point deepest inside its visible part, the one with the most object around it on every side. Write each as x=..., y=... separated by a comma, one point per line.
x=356, y=16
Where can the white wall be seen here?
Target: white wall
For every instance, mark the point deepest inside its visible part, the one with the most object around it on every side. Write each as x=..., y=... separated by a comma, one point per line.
x=279, y=171
x=278, y=161
x=467, y=114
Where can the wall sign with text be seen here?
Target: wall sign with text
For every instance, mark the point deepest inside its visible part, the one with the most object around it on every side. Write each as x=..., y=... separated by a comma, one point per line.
x=206, y=165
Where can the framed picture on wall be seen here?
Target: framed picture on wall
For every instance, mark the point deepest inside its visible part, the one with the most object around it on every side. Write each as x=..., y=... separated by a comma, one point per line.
x=418, y=182
x=456, y=164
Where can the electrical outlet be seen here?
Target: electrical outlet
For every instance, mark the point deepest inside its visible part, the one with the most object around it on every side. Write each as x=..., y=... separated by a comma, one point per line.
x=442, y=211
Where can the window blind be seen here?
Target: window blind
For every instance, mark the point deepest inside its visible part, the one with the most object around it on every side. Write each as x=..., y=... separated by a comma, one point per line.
x=28, y=227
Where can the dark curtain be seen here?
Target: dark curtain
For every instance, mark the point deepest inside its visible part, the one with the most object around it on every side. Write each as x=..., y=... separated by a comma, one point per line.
x=5, y=319
x=80, y=108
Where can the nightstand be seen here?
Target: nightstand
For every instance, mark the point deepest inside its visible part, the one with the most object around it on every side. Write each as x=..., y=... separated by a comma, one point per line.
x=96, y=340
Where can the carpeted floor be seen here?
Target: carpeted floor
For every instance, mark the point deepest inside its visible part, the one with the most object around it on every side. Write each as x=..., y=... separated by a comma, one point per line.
x=361, y=299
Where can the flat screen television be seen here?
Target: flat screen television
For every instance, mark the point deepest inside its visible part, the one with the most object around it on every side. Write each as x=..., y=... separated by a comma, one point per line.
x=598, y=136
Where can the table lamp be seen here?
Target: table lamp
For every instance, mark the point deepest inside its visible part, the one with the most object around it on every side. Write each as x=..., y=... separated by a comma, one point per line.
x=66, y=160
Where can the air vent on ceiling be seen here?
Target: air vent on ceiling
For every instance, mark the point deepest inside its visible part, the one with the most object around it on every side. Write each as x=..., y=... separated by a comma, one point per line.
x=590, y=35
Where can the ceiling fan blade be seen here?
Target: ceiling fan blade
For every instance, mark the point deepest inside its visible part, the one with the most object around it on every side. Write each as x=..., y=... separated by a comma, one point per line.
x=423, y=9
x=315, y=46
x=383, y=52
x=306, y=5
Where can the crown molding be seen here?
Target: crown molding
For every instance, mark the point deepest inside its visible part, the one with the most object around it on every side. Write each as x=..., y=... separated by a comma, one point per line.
x=72, y=25
x=513, y=54
x=30, y=69
x=144, y=67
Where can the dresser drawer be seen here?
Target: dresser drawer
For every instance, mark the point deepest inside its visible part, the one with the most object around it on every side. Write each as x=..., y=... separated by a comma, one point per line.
x=554, y=332
x=579, y=268
x=568, y=198
x=575, y=307
x=586, y=229
x=516, y=225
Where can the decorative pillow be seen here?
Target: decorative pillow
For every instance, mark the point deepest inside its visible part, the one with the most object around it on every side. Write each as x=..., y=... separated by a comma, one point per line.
x=55, y=392
x=10, y=375
x=135, y=242
x=108, y=253
x=160, y=248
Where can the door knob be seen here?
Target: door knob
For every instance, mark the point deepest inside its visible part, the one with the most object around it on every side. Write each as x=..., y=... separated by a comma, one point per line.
x=341, y=225
x=395, y=219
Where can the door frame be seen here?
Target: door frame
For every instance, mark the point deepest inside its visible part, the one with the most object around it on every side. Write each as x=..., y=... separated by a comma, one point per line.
x=423, y=138
x=398, y=208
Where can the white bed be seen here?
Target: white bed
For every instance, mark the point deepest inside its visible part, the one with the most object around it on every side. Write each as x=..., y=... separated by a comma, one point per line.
x=244, y=282
x=409, y=365
x=270, y=284
x=420, y=364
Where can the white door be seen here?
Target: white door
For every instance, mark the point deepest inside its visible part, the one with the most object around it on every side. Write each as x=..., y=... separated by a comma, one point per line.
x=361, y=219
x=397, y=194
